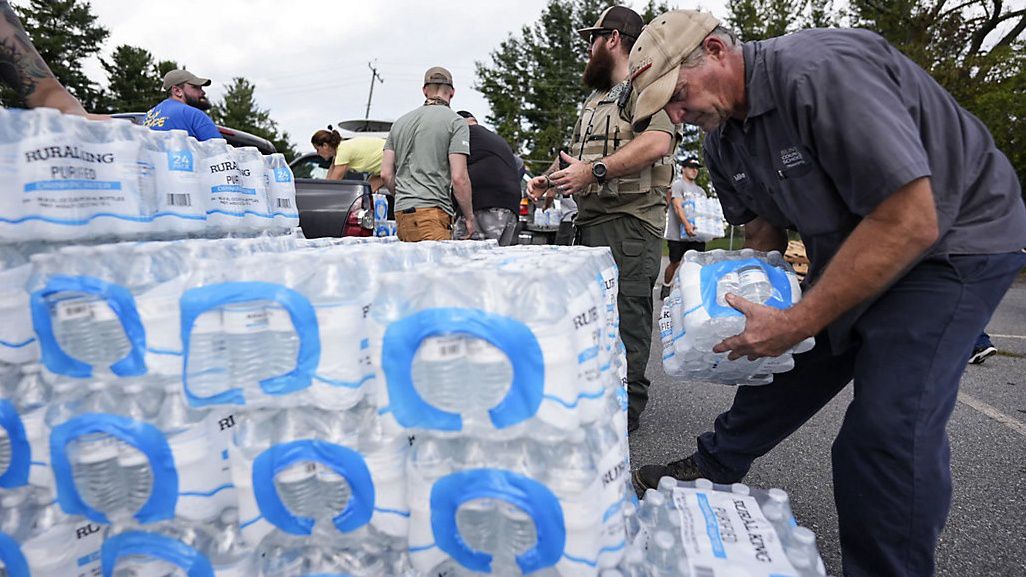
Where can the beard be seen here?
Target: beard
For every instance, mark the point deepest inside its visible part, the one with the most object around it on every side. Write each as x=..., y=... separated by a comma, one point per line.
x=201, y=103
x=598, y=73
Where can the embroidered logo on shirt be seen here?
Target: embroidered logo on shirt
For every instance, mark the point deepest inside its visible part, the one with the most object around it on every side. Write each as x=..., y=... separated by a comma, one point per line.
x=740, y=177
x=791, y=157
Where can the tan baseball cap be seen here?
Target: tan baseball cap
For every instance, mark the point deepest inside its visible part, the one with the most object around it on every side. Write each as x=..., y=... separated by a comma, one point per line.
x=437, y=75
x=657, y=55
x=181, y=76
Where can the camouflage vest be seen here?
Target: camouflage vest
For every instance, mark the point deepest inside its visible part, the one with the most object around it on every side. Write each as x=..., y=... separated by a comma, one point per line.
x=602, y=129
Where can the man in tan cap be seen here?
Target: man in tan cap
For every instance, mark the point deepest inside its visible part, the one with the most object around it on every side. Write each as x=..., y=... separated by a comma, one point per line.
x=619, y=179
x=424, y=164
x=914, y=226
x=183, y=109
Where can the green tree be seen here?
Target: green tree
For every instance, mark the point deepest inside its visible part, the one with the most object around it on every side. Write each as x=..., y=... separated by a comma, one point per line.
x=65, y=33
x=533, y=80
x=133, y=80
x=976, y=49
x=239, y=109
x=761, y=19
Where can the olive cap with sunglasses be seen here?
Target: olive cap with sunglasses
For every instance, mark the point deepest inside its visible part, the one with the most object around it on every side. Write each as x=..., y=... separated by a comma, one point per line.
x=620, y=18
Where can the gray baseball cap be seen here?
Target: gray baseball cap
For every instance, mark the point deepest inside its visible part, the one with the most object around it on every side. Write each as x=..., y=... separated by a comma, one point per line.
x=182, y=76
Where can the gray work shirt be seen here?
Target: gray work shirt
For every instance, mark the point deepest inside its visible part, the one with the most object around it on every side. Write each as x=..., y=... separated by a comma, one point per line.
x=837, y=121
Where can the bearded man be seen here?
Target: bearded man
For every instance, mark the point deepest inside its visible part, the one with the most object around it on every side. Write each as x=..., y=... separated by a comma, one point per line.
x=183, y=108
x=618, y=178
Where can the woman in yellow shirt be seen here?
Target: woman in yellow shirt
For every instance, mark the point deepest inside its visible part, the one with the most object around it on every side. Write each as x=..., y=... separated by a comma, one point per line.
x=360, y=154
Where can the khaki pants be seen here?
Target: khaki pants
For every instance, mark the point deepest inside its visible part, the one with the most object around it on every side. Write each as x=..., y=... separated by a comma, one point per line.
x=423, y=224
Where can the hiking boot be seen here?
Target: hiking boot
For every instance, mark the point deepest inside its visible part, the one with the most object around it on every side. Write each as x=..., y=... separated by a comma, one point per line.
x=633, y=423
x=647, y=477
x=981, y=354
x=664, y=292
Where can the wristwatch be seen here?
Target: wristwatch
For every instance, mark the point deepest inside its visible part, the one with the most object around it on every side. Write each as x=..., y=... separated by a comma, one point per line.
x=598, y=170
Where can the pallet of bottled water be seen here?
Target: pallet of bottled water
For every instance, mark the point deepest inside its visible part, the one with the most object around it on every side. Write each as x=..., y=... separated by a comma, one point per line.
x=706, y=217
x=67, y=178
x=280, y=407
x=701, y=529
x=696, y=316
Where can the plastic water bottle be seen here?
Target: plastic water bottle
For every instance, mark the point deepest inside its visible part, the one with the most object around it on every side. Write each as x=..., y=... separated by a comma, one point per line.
x=253, y=184
x=96, y=471
x=777, y=510
x=476, y=522
x=299, y=489
x=802, y=553
x=227, y=551
x=519, y=532
x=245, y=332
x=753, y=284
x=663, y=560
x=221, y=182
x=181, y=206
x=281, y=191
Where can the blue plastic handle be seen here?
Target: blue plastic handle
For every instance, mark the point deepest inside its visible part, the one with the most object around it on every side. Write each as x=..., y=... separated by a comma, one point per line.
x=514, y=338
x=17, y=473
x=346, y=462
x=117, y=297
x=144, y=437
x=535, y=499
x=196, y=301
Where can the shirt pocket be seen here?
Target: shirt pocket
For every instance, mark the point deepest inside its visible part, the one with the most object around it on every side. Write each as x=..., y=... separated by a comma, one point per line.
x=805, y=193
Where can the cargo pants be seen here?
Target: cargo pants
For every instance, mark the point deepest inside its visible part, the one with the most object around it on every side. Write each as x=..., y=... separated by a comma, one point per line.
x=637, y=253
x=891, y=467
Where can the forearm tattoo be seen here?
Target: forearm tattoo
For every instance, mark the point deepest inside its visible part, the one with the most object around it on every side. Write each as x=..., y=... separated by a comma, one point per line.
x=21, y=67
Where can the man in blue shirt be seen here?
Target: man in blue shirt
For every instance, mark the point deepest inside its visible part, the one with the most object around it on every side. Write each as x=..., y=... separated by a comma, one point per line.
x=183, y=108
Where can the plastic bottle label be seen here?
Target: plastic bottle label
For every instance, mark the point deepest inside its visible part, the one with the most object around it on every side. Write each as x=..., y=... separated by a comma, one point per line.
x=439, y=349
x=69, y=184
x=723, y=530
x=72, y=310
x=245, y=321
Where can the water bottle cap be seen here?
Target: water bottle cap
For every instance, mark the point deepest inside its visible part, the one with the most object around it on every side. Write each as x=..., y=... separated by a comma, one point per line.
x=778, y=495
x=704, y=484
x=740, y=489
x=667, y=483
x=803, y=535
x=654, y=497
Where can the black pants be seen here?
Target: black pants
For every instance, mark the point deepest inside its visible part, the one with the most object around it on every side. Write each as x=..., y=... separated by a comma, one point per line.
x=892, y=478
x=637, y=253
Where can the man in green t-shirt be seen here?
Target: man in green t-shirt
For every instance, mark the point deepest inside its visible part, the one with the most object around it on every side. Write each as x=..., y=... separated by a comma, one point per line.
x=619, y=180
x=424, y=164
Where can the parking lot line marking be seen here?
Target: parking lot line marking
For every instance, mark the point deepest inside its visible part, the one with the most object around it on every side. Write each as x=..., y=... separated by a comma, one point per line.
x=1009, y=336
x=993, y=413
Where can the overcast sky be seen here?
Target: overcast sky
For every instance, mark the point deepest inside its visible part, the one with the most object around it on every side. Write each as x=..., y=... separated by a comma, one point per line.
x=308, y=59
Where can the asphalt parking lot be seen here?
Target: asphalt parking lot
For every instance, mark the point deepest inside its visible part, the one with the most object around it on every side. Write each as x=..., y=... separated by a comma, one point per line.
x=984, y=534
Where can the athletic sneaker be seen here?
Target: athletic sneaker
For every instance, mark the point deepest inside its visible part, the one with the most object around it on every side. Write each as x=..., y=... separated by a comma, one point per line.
x=981, y=354
x=664, y=292
x=647, y=477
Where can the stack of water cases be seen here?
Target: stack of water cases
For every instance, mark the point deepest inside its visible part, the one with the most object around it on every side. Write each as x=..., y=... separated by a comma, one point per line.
x=71, y=179
x=505, y=371
x=706, y=217
x=698, y=529
x=696, y=316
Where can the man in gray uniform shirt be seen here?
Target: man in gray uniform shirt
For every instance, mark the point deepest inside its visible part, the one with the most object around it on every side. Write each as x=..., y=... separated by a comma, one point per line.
x=914, y=225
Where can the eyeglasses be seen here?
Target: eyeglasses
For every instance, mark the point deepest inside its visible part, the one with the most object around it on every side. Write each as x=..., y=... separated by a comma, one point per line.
x=599, y=34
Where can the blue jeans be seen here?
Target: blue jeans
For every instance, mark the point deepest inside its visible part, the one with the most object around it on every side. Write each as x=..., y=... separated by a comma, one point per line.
x=982, y=342
x=892, y=479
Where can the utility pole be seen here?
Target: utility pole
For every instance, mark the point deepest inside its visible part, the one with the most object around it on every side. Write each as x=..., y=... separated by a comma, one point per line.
x=374, y=76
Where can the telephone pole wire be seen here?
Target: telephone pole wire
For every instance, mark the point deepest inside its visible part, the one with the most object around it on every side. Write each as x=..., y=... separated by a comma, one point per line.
x=374, y=77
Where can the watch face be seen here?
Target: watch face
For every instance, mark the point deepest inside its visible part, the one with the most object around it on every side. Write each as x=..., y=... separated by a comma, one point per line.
x=599, y=170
